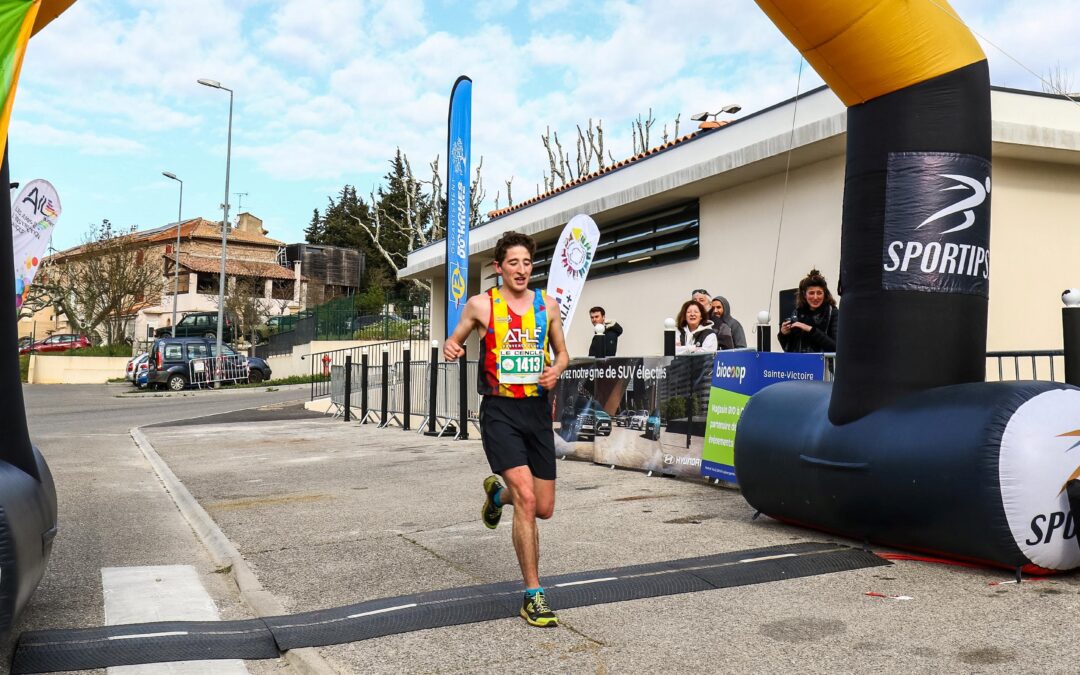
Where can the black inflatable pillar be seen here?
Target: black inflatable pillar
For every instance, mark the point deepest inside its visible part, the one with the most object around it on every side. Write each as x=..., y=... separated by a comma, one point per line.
x=914, y=262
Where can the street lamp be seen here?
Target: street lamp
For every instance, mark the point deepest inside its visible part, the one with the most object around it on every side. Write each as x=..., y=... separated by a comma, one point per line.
x=703, y=117
x=176, y=262
x=225, y=220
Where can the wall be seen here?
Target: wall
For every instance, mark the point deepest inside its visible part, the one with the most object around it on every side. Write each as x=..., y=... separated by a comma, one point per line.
x=739, y=228
x=298, y=363
x=61, y=369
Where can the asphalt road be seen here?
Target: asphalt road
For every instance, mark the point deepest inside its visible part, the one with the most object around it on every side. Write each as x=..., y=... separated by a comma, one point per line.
x=113, y=511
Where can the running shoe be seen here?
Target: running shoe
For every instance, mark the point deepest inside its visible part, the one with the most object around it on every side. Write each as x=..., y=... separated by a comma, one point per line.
x=536, y=611
x=491, y=514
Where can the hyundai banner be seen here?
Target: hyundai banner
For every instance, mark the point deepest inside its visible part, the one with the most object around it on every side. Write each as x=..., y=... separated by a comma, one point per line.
x=459, y=141
x=33, y=217
x=736, y=376
x=570, y=265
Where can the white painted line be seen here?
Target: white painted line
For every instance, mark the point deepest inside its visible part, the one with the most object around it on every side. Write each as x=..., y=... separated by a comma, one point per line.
x=586, y=581
x=770, y=557
x=161, y=593
x=148, y=635
x=380, y=611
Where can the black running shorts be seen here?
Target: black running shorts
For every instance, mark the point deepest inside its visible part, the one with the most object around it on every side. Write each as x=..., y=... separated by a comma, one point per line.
x=517, y=432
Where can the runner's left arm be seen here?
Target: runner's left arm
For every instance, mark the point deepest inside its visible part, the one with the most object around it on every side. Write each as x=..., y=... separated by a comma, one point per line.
x=558, y=344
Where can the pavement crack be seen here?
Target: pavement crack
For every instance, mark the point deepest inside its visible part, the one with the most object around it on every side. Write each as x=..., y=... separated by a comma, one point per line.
x=441, y=557
x=565, y=624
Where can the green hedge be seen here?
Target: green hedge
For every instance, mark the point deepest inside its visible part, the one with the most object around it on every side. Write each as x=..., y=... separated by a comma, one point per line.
x=120, y=349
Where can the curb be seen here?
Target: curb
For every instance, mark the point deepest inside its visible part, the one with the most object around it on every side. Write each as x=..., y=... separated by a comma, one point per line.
x=208, y=392
x=305, y=660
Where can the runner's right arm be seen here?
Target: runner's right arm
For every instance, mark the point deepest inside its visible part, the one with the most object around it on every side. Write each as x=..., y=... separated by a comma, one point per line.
x=470, y=321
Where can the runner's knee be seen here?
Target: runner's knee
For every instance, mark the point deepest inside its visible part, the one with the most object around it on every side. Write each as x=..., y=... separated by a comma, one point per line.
x=545, y=511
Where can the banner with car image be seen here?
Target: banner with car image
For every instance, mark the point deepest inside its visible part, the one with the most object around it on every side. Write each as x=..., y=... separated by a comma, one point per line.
x=736, y=376
x=644, y=413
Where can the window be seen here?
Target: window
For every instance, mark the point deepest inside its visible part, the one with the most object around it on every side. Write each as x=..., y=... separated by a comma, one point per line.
x=282, y=289
x=173, y=351
x=207, y=283
x=202, y=321
x=197, y=350
x=225, y=349
x=184, y=283
x=660, y=238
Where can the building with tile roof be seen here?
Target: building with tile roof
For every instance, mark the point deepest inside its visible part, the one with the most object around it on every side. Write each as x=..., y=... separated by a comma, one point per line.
x=251, y=255
x=746, y=209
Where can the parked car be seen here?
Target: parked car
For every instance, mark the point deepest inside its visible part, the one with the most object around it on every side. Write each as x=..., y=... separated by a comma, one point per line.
x=142, y=367
x=639, y=419
x=170, y=359
x=652, y=427
x=25, y=342
x=623, y=418
x=132, y=366
x=200, y=324
x=273, y=326
x=60, y=342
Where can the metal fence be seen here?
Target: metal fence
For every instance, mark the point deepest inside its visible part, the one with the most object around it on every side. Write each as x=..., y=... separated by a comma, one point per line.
x=211, y=370
x=384, y=395
x=1043, y=364
x=338, y=320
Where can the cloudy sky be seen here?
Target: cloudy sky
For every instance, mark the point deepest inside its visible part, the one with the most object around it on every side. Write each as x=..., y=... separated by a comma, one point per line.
x=327, y=89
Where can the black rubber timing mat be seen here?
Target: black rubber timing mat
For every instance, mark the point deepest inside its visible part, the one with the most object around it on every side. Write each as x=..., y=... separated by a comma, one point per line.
x=57, y=650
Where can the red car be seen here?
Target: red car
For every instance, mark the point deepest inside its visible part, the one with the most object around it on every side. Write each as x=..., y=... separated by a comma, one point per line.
x=61, y=342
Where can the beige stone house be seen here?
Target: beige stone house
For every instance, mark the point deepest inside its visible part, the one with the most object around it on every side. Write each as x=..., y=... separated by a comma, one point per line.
x=251, y=255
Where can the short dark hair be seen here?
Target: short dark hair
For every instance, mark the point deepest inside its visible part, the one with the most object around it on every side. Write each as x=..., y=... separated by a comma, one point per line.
x=598, y=308
x=511, y=239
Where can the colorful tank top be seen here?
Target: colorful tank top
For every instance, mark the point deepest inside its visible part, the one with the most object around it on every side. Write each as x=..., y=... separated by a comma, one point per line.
x=514, y=349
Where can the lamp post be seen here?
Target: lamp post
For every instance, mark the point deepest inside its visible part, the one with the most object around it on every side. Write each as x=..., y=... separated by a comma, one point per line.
x=706, y=123
x=176, y=262
x=225, y=219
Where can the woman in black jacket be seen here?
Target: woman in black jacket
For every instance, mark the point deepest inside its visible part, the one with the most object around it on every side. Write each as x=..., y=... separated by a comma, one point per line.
x=812, y=328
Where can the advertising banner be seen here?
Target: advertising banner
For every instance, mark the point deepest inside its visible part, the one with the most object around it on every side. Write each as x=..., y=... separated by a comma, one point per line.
x=570, y=265
x=459, y=141
x=735, y=377
x=33, y=217
x=645, y=413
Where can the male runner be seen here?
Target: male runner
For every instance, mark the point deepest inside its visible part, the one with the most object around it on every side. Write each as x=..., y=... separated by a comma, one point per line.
x=516, y=327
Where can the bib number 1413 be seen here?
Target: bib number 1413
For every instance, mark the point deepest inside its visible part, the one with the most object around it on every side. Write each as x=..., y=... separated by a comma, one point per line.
x=520, y=366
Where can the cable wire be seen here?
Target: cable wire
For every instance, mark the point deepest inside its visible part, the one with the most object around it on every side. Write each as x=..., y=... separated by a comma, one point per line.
x=783, y=198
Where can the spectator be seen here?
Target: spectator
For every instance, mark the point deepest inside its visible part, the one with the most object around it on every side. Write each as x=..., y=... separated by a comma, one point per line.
x=721, y=315
x=812, y=328
x=608, y=343
x=694, y=335
x=724, y=338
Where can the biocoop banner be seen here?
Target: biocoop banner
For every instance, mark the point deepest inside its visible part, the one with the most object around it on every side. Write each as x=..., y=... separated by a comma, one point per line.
x=736, y=376
x=459, y=141
x=33, y=217
x=570, y=265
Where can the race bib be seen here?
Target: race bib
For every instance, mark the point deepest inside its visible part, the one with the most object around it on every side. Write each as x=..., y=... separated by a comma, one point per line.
x=520, y=366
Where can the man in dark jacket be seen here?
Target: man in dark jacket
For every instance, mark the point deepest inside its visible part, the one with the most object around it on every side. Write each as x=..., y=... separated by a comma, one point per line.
x=721, y=313
x=607, y=343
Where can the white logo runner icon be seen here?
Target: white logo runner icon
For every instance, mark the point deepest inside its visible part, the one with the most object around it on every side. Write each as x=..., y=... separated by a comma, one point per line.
x=966, y=205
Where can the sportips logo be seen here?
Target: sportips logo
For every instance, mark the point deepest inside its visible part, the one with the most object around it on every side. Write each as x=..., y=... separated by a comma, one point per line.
x=576, y=253
x=967, y=205
x=937, y=223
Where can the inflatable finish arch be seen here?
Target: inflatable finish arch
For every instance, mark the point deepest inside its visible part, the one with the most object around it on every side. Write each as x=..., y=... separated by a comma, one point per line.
x=27, y=494
x=910, y=447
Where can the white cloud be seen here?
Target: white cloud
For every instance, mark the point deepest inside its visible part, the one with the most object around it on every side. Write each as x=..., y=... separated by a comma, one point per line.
x=88, y=143
x=538, y=9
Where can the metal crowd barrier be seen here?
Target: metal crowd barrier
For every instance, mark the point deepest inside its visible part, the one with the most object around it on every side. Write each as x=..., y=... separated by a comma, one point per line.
x=1038, y=364
x=211, y=370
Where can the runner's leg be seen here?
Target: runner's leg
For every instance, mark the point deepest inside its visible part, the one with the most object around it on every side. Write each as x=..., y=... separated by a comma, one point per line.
x=519, y=491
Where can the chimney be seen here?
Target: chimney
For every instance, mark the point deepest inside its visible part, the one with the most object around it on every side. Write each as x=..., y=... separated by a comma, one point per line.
x=251, y=224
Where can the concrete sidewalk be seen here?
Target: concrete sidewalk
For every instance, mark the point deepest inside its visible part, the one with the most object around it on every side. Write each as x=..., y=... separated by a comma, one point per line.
x=328, y=514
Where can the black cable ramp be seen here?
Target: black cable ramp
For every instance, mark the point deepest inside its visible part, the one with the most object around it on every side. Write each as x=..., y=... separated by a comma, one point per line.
x=57, y=650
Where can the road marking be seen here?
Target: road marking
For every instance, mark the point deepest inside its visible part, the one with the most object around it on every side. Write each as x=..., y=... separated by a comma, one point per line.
x=586, y=581
x=381, y=611
x=161, y=593
x=769, y=557
x=148, y=635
